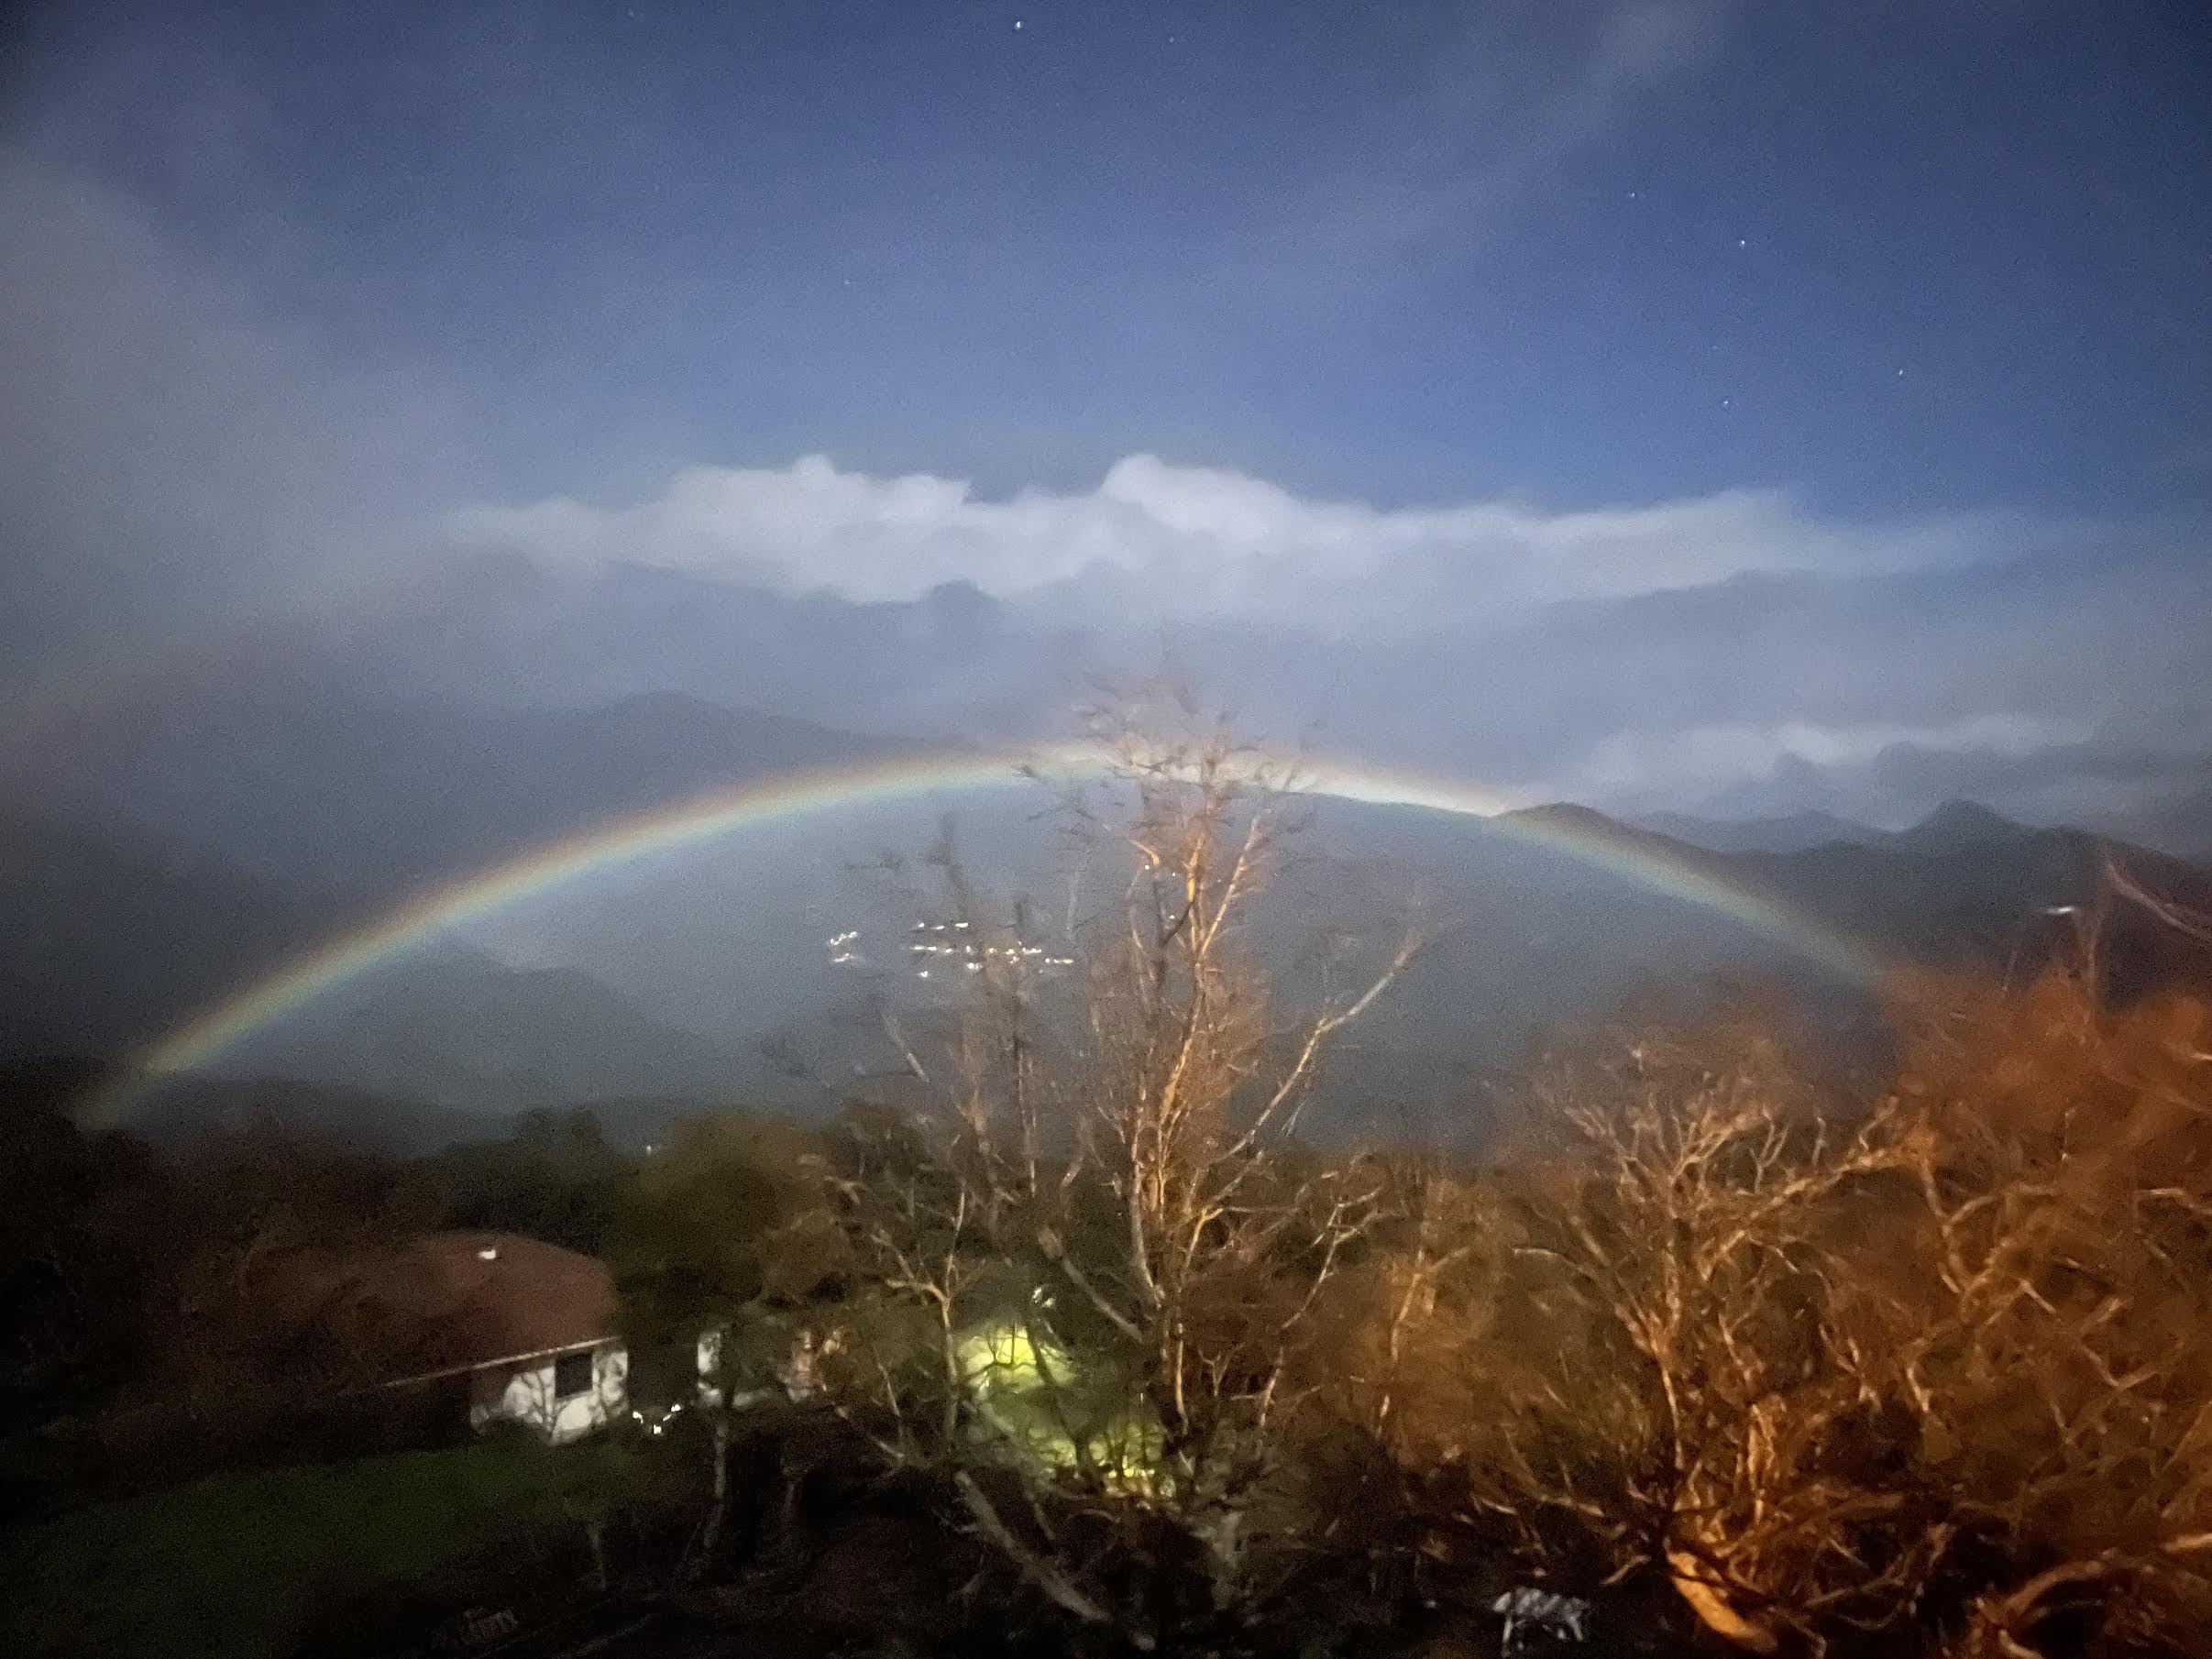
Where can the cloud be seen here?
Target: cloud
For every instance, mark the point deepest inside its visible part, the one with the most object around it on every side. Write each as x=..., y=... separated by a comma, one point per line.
x=1184, y=541
x=1731, y=653
x=167, y=442
x=1631, y=768
x=2159, y=796
x=1484, y=116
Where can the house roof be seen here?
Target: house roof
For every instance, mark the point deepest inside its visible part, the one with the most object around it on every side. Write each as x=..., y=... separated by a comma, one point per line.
x=443, y=1301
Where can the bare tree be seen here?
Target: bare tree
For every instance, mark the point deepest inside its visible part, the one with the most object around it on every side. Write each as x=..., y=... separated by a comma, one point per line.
x=1103, y=1186
x=2062, y=1367
x=1699, y=1375
x=1960, y=1349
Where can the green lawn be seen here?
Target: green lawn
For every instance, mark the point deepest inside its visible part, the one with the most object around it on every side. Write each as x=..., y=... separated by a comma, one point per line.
x=234, y=1564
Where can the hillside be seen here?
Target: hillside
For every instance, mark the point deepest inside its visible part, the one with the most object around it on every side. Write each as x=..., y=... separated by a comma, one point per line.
x=105, y=939
x=362, y=797
x=1966, y=886
x=107, y=942
x=703, y=974
x=457, y=1030
x=1795, y=832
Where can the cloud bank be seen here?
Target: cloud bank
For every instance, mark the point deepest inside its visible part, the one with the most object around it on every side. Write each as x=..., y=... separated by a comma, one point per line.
x=1199, y=540
x=1737, y=652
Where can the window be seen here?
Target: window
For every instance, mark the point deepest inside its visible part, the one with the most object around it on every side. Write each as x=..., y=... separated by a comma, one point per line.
x=572, y=1374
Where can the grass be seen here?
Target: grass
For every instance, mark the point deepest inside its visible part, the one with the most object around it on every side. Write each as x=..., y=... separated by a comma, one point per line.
x=235, y=1564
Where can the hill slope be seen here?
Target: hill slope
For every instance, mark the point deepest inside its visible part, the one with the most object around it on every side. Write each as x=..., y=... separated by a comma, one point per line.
x=362, y=799
x=106, y=943
x=1794, y=833
x=665, y=978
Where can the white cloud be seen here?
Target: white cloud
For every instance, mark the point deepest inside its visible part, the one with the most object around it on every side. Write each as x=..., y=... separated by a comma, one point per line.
x=1178, y=539
x=1639, y=767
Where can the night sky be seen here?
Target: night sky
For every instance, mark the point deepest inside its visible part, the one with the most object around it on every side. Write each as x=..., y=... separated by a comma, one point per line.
x=1698, y=404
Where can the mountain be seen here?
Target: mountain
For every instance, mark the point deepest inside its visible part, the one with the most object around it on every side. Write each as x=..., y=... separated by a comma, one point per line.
x=1796, y=832
x=1967, y=886
x=182, y=1111
x=363, y=798
x=107, y=942
x=1959, y=826
x=1526, y=930
x=1572, y=818
x=237, y=830
x=1964, y=885
x=457, y=1030
x=2182, y=824
x=1528, y=938
x=483, y=626
x=240, y=832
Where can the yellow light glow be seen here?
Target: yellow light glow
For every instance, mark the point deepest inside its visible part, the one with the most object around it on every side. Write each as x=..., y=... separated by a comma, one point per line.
x=1024, y=1387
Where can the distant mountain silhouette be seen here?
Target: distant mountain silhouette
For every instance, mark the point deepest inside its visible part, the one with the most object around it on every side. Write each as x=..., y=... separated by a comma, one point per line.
x=458, y=1031
x=238, y=832
x=1955, y=826
x=105, y=939
x=1573, y=819
x=364, y=798
x=1796, y=832
x=106, y=943
x=1967, y=886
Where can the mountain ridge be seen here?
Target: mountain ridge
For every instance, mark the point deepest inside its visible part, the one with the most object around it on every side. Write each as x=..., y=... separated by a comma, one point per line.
x=1787, y=832
x=110, y=940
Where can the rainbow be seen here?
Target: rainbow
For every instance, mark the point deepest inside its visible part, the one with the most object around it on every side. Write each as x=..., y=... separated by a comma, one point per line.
x=797, y=793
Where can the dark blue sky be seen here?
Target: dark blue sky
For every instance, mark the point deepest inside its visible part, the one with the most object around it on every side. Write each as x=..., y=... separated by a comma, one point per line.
x=1725, y=404
x=1594, y=253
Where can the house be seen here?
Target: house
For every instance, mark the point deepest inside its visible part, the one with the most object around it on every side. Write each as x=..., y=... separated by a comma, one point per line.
x=534, y=1326
x=520, y=1330
x=530, y=1325
x=439, y=1333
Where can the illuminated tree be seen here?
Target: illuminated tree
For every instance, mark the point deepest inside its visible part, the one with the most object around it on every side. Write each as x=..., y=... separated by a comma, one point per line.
x=1952, y=1365
x=1703, y=1395
x=1106, y=1255
x=2061, y=1363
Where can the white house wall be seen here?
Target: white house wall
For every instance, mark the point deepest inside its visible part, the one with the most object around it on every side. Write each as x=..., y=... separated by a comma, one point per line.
x=528, y=1398
x=710, y=1367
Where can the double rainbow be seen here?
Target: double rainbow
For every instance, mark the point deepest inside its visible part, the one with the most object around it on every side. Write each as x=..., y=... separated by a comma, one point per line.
x=798, y=794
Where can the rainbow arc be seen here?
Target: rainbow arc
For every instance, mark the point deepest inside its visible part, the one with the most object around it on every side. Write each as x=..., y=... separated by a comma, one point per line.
x=732, y=809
